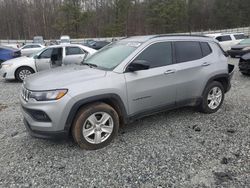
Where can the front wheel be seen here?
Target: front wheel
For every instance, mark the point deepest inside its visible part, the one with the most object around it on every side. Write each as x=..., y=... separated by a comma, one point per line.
x=23, y=72
x=95, y=126
x=213, y=98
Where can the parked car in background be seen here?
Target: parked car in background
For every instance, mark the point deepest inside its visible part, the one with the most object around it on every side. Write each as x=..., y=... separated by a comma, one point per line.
x=89, y=42
x=244, y=64
x=240, y=49
x=227, y=40
x=124, y=81
x=65, y=39
x=99, y=44
x=30, y=49
x=38, y=40
x=7, y=53
x=50, y=57
x=11, y=45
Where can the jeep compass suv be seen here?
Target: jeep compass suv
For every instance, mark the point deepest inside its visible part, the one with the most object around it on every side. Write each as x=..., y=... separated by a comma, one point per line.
x=126, y=80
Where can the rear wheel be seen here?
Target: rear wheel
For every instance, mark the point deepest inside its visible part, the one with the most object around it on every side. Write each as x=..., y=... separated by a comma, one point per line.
x=95, y=126
x=213, y=98
x=23, y=72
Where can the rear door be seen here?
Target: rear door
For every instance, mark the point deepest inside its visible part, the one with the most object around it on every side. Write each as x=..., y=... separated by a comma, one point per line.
x=194, y=60
x=156, y=87
x=73, y=55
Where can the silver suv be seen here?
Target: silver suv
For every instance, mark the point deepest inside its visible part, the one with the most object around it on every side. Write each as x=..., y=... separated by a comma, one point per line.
x=126, y=80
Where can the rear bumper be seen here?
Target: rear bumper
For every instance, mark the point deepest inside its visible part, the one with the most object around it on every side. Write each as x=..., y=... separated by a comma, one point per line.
x=57, y=135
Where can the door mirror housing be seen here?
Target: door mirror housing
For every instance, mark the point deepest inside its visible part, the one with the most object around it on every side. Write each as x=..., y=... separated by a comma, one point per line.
x=138, y=65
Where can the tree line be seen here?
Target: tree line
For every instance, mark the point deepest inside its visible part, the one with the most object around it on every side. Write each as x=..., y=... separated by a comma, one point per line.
x=23, y=19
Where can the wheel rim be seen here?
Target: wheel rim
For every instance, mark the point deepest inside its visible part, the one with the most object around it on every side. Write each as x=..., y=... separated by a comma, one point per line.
x=24, y=74
x=214, y=98
x=98, y=127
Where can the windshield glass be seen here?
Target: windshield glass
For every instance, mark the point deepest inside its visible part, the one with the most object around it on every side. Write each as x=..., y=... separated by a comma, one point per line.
x=112, y=55
x=246, y=41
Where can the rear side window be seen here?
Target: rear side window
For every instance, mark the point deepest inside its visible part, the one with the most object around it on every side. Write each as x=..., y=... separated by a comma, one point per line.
x=224, y=38
x=187, y=51
x=206, y=49
x=239, y=36
x=73, y=51
x=157, y=55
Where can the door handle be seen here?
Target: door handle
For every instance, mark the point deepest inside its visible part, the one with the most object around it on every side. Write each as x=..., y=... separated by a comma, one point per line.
x=170, y=71
x=205, y=64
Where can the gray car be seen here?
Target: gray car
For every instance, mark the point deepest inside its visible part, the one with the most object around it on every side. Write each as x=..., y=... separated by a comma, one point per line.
x=124, y=81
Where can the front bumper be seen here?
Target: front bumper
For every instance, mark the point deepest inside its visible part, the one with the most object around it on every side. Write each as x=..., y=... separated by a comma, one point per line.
x=56, y=113
x=7, y=73
x=57, y=135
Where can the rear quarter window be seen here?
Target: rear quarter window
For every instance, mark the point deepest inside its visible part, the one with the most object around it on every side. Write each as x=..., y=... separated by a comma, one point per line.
x=206, y=49
x=187, y=51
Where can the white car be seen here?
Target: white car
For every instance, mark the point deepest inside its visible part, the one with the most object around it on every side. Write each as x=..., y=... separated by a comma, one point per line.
x=227, y=40
x=65, y=39
x=50, y=57
x=30, y=49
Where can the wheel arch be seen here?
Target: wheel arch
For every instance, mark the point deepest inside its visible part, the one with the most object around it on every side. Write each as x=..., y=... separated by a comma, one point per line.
x=113, y=100
x=23, y=66
x=222, y=78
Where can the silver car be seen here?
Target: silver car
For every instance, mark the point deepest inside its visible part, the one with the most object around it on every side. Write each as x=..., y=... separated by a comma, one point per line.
x=126, y=80
x=50, y=57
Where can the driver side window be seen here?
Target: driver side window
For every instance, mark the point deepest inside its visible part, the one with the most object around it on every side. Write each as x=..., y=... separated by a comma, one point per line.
x=157, y=55
x=46, y=54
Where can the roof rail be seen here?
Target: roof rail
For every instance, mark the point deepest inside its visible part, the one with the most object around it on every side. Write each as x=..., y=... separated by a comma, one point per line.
x=179, y=35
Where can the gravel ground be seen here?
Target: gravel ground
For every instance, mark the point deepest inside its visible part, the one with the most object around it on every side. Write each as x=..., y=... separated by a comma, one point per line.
x=180, y=148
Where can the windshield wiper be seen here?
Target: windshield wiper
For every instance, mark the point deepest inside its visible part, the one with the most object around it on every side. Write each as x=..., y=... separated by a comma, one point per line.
x=89, y=64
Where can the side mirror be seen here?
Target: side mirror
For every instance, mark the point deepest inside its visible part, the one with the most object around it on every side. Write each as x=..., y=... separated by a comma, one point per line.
x=138, y=65
x=54, y=57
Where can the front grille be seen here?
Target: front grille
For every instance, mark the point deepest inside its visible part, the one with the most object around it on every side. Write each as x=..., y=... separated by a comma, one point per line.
x=25, y=94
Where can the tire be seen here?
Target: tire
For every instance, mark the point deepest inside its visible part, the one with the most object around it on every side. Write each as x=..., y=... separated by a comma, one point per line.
x=95, y=137
x=213, y=97
x=23, y=72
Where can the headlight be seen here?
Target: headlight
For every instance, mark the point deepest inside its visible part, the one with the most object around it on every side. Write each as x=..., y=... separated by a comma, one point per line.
x=48, y=95
x=6, y=65
x=246, y=48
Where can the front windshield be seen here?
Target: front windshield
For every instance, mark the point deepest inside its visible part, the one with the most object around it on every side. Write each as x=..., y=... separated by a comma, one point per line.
x=112, y=55
x=246, y=41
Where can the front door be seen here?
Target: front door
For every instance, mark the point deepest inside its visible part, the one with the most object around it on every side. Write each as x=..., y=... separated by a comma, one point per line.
x=43, y=60
x=153, y=88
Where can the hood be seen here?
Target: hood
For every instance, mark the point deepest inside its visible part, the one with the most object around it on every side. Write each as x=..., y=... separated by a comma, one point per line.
x=18, y=60
x=240, y=46
x=60, y=78
x=246, y=57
